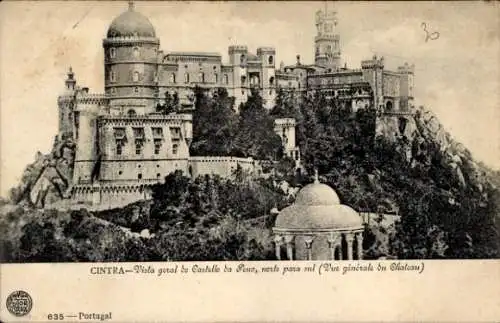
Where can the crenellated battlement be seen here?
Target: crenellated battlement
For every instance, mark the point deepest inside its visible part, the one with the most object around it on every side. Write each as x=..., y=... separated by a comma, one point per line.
x=325, y=15
x=237, y=49
x=285, y=122
x=266, y=50
x=65, y=98
x=222, y=159
x=92, y=98
x=373, y=63
x=406, y=68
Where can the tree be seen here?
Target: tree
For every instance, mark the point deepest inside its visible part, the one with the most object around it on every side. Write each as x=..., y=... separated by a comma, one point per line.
x=256, y=137
x=214, y=124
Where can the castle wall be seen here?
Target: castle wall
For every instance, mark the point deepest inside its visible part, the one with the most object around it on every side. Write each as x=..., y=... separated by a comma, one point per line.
x=101, y=197
x=222, y=166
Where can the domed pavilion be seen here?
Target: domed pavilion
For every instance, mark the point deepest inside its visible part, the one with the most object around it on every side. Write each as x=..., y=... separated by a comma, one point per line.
x=318, y=227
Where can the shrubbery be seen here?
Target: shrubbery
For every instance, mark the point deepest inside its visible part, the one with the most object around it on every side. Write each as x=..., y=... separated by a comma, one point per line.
x=210, y=218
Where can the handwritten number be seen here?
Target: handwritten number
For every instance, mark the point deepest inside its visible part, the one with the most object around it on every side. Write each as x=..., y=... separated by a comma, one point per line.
x=429, y=35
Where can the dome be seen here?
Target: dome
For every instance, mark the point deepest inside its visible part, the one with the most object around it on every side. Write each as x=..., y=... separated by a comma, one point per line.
x=314, y=217
x=317, y=206
x=317, y=194
x=131, y=23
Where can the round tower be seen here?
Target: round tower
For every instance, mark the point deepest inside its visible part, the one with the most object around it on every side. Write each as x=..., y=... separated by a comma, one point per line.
x=130, y=63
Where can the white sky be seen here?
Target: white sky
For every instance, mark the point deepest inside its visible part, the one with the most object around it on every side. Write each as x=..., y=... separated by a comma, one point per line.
x=457, y=75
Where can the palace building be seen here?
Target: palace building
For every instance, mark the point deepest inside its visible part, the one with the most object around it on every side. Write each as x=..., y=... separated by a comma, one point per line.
x=123, y=145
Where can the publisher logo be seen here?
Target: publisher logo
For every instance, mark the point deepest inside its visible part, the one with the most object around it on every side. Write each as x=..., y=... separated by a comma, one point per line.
x=19, y=303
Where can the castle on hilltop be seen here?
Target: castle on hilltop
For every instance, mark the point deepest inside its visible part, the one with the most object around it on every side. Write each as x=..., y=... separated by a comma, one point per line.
x=123, y=145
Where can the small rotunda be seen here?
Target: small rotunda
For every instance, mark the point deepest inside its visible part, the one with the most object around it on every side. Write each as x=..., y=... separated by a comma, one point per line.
x=318, y=227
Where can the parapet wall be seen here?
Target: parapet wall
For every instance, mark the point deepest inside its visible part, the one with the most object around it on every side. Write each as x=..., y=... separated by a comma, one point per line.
x=222, y=166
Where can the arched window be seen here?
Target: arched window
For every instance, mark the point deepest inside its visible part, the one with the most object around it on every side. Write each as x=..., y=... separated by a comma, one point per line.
x=216, y=78
x=112, y=76
x=242, y=59
x=201, y=77
x=271, y=80
x=329, y=48
x=226, y=79
x=112, y=52
x=271, y=60
x=388, y=106
x=172, y=78
x=243, y=79
x=135, y=76
x=186, y=77
x=131, y=113
x=136, y=90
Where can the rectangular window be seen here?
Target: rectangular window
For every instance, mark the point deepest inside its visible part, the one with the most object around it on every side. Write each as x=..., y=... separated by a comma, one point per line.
x=118, y=145
x=157, y=144
x=138, y=146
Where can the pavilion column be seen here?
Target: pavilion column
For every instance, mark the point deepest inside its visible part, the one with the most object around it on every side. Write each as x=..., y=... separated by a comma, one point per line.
x=349, y=238
x=289, y=240
x=359, y=240
x=308, y=241
x=278, y=240
x=333, y=242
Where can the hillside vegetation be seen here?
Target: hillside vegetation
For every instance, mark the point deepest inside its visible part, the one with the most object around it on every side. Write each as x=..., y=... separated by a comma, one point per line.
x=448, y=203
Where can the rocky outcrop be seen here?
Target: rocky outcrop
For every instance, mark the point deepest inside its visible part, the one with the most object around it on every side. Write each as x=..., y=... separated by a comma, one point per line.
x=416, y=133
x=48, y=179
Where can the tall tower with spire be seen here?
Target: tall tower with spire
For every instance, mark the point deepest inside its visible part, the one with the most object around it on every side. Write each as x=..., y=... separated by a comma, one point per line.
x=327, y=40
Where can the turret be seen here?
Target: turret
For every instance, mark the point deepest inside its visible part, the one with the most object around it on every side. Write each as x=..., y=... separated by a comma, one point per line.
x=406, y=81
x=70, y=80
x=87, y=150
x=372, y=73
x=66, y=103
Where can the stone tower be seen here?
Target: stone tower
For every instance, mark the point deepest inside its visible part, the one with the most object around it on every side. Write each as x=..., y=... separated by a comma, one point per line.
x=406, y=78
x=238, y=55
x=130, y=63
x=327, y=40
x=373, y=73
x=267, y=57
x=66, y=103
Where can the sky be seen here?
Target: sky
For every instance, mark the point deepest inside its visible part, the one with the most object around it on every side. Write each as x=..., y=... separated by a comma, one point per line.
x=456, y=76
